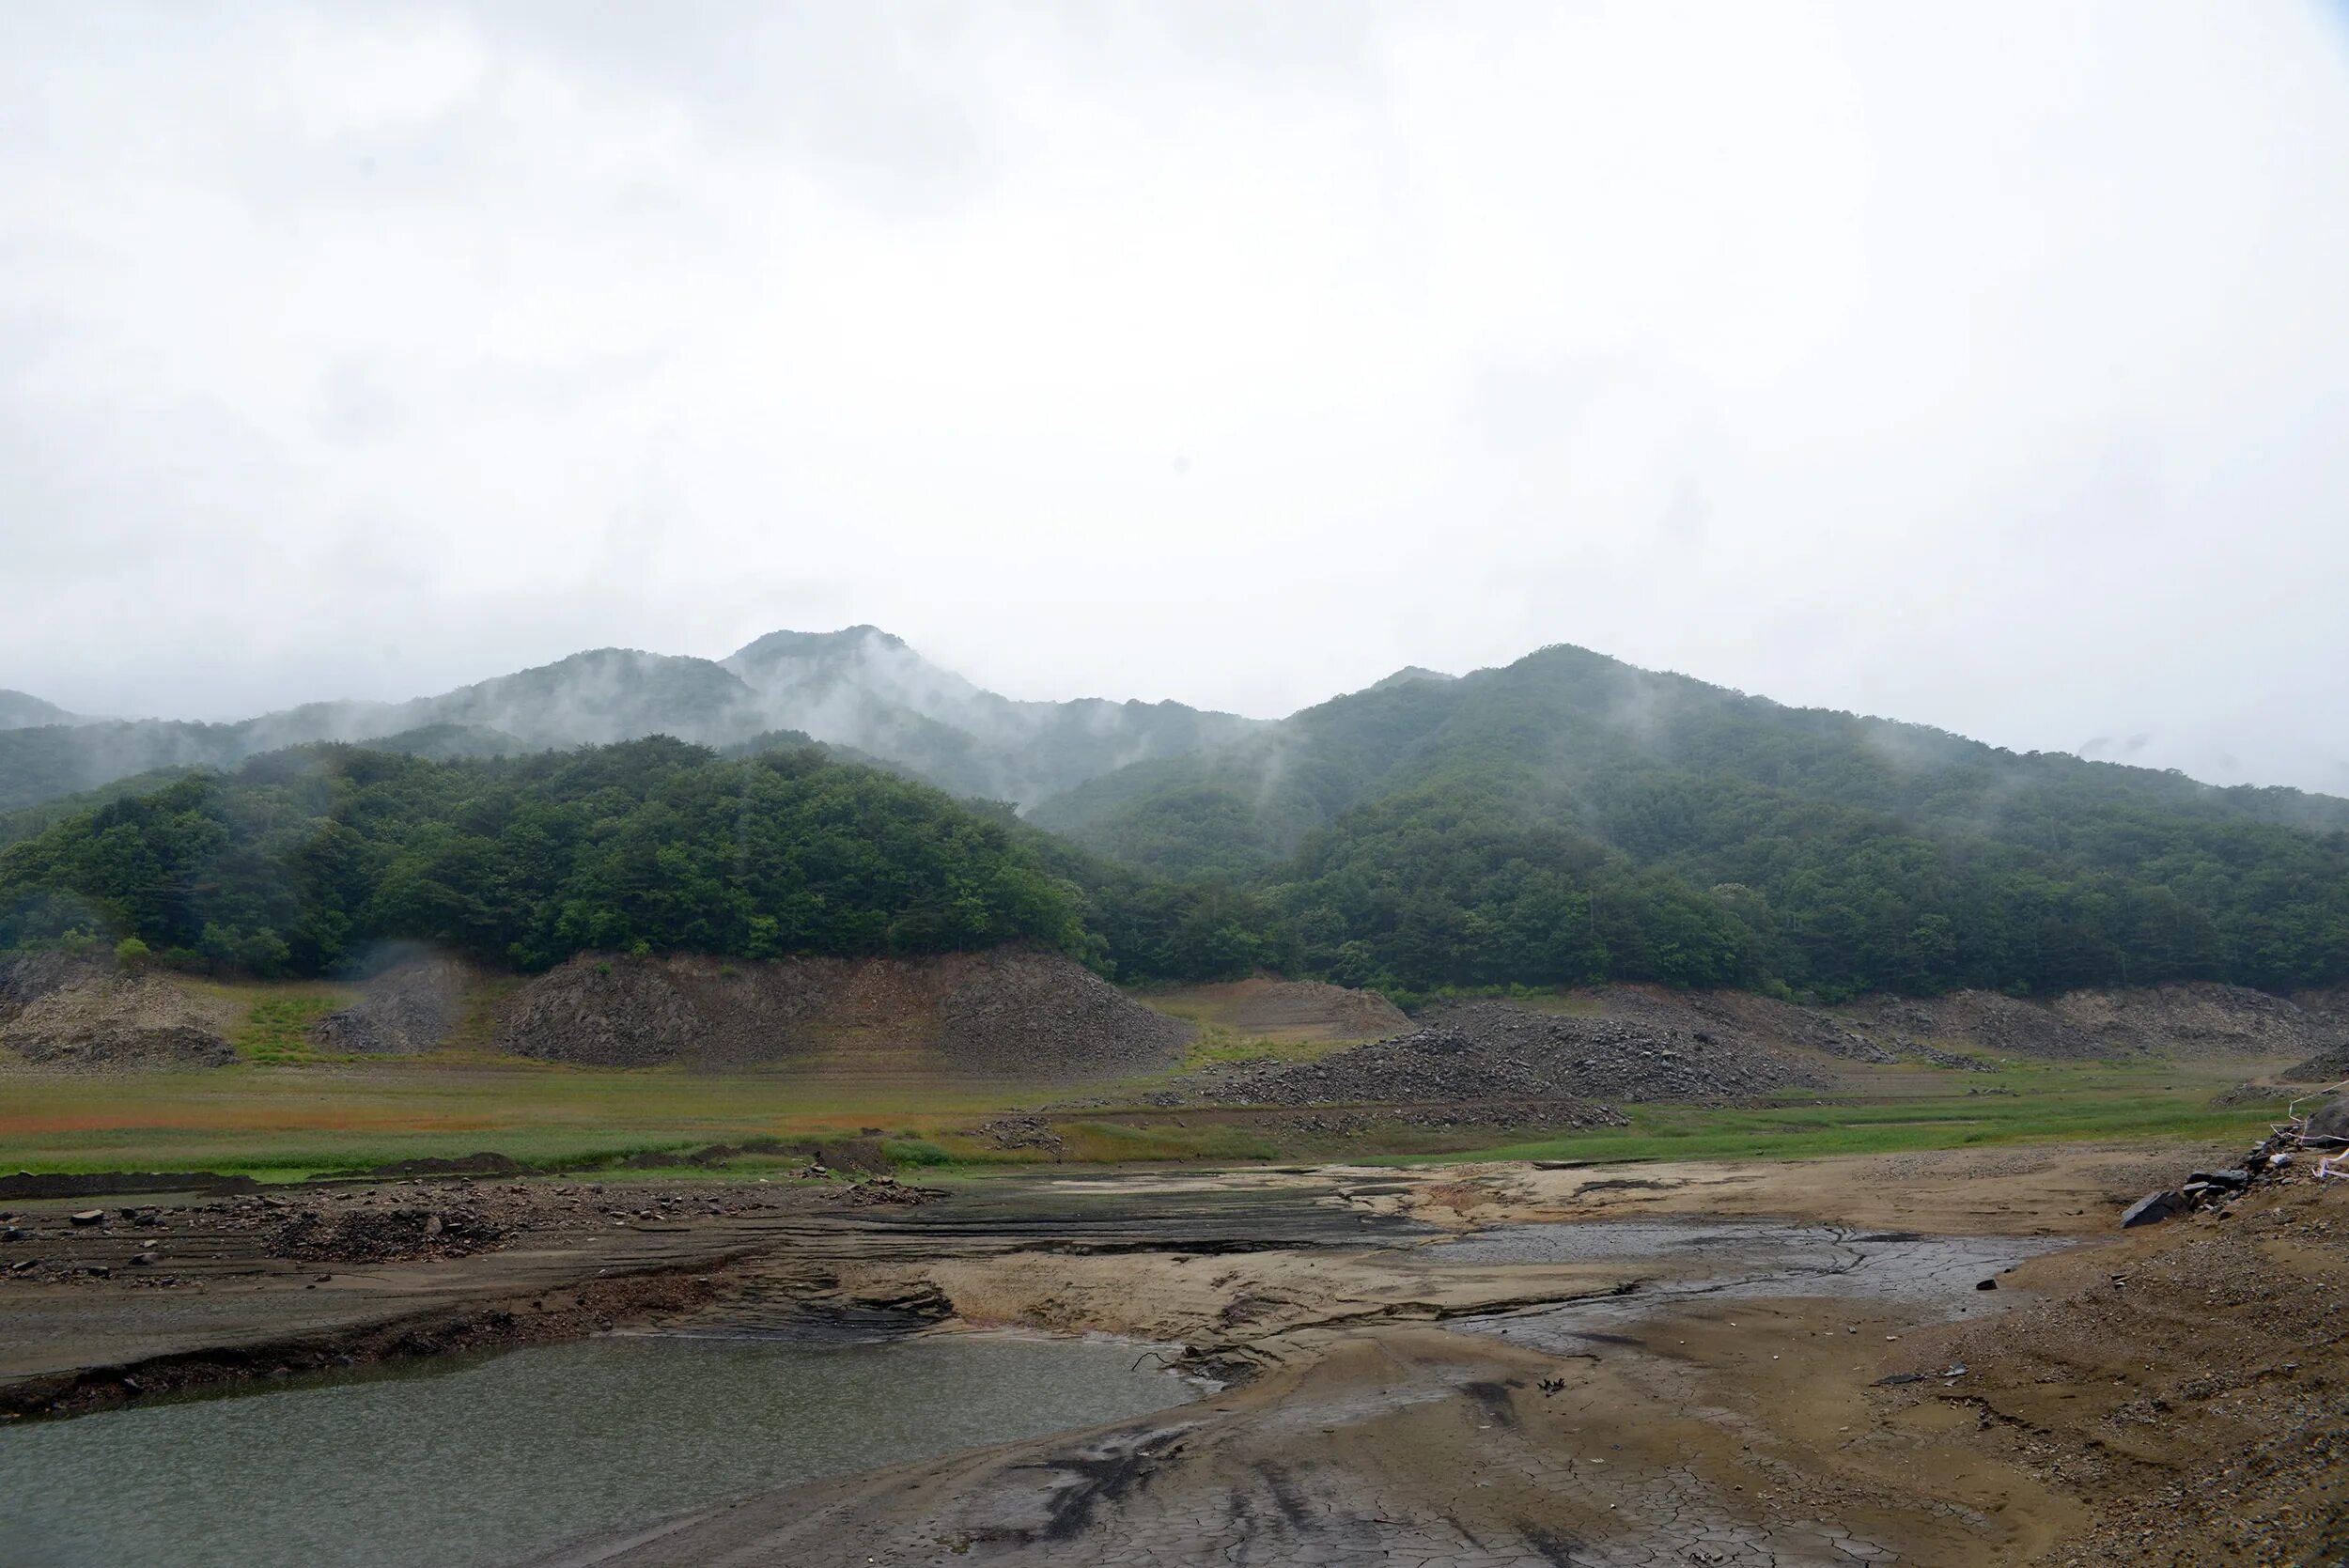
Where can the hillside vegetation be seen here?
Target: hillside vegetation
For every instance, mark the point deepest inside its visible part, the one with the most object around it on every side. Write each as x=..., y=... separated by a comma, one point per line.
x=1565, y=820
x=302, y=860
x=1569, y=819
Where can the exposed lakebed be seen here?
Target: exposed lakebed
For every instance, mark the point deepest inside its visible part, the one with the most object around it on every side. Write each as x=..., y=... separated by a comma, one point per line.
x=482, y=1460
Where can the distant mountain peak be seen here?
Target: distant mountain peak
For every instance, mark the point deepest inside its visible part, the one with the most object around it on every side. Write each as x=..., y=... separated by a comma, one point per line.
x=1407, y=675
x=21, y=710
x=787, y=643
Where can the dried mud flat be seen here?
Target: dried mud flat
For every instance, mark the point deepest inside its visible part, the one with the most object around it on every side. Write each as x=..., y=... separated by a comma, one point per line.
x=1702, y=1363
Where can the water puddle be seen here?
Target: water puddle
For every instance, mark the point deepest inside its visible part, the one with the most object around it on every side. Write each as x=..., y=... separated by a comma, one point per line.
x=477, y=1461
x=1682, y=1262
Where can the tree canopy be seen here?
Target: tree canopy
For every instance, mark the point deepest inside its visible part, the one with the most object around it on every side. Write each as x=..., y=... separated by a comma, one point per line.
x=303, y=860
x=1570, y=819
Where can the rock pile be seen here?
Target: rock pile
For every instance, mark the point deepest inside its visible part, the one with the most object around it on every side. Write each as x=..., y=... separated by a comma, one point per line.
x=1021, y=1132
x=406, y=1011
x=2313, y=1144
x=1008, y=1014
x=1493, y=1051
x=1741, y=1017
x=2002, y=1025
x=1019, y=1015
x=383, y=1236
x=2198, y=1018
x=60, y=1012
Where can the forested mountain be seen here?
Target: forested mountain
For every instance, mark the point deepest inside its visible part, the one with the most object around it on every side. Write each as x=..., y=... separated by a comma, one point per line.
x=19, y=709
x=1570, y=818
x=860, y=689
x=303, y=860
x=1565, y=819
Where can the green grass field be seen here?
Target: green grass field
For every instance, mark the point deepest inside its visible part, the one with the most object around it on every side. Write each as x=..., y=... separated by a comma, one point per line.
x=2046, y=1104
x=288, y=1120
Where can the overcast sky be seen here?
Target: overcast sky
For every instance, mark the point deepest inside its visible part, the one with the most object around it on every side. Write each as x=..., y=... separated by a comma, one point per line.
x=1985, y=366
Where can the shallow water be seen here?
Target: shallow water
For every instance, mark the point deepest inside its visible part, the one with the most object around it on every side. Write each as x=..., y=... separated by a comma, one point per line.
x=1739, y=1259
x=483, y=1460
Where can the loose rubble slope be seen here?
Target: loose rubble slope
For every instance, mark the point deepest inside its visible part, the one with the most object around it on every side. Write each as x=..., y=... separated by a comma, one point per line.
x=1008, y=1014
x=57, y=1011
x=406, y=1011
x=1496, y=1051
x=1962, y=1029
x=2330, y=1061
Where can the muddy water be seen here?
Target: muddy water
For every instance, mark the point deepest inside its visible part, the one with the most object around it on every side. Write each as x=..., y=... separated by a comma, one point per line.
x=1683, y=1261
x=484, y=1460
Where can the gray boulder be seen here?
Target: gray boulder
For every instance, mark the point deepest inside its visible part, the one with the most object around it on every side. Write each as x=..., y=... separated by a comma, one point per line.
x=2329, y=1123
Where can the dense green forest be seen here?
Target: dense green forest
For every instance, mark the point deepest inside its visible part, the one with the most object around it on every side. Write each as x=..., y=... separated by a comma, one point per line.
x=1570, y=818
x=1566, y=819
x=303, y=860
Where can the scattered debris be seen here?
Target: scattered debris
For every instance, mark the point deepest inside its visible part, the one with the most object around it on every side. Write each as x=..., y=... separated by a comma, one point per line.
x=384, y=1236
x=1491, y=1051
x=1021, y=1132
x=2324, y=1131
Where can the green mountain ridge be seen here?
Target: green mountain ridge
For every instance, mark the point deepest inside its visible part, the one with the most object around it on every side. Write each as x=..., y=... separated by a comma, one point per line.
x=1563, y=819
x=1570, y=817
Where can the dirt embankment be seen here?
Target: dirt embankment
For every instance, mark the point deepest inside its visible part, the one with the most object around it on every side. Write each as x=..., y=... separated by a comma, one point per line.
x=57, y=1011
x=1494, y=1051
x=2200, y=1021
x=2329, y=1064
x=406, y=1011
x=2197, y=1019
x=2186, y=1382
x=116, y=1303
x=1010, y=1015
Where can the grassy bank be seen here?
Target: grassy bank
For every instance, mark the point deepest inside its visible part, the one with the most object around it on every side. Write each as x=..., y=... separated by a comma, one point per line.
x=290, y=1121
x=1940, y=1110
x=286, y=1120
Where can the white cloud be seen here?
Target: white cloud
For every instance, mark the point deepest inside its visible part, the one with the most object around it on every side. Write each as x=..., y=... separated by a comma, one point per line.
x=1978, y=366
